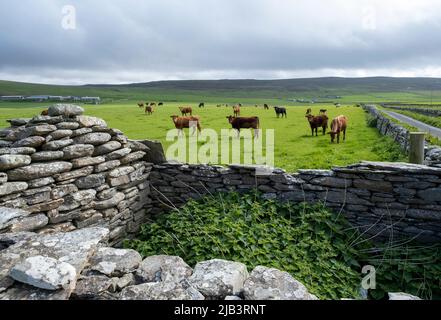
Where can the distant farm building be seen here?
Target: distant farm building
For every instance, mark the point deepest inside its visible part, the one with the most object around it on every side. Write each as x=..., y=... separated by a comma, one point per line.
x=38, y=98
x=93, y=100
x=11, y=98
x=43, y=98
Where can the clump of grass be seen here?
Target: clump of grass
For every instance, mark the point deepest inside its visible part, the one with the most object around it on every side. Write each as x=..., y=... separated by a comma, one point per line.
x=389, y=149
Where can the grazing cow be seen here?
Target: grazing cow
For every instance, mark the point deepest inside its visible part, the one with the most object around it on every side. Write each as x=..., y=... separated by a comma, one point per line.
x=160, y=104
x=45, y=112
x=280, y=111
x=153, y=104
x=141, y=105
x=266, y=107
x=187, y=122
x=185, y=110
x=149, y=110
x=245, y=123
x=323, y=111
x=316, y=122
x=219, y=105
x=338, y=125
x=236, y=110
x=201, y=105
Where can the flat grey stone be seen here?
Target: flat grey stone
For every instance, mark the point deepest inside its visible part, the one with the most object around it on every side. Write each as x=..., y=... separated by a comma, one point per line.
x=115, y=262
x=56, y=145
x=160, y=291
x=109, y=165
x=219, y=278
x=87, y=121
x=107, y=148
x=105, y=204
x=272, y=284
x=94, y=138
x=67, y=125
x=87, y=161
x=21, y=150
x=33, y=142
x=29, y=223
x=37, y=170
x=91, y=181
x=163, y=268
x=67, y=110
x=47, y=155
x=12, y=187
x=78, y=151
x=9, y=161
x=9, y=215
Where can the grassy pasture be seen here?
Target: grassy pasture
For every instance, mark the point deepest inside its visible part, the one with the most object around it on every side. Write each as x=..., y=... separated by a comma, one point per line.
x=295, y=148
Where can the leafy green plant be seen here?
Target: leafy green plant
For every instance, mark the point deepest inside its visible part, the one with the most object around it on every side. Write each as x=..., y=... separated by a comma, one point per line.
x=414, y=269
x=371, y=121
x=312, y=243
x=307, y=241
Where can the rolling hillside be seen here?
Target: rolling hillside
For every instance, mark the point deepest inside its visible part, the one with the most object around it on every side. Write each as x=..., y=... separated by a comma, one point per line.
x=349, y=89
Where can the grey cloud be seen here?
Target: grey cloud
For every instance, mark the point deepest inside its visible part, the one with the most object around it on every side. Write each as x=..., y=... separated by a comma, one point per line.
x=129, y=40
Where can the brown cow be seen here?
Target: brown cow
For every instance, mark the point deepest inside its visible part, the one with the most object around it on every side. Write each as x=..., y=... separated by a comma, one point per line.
x=236, y=110
x=186, y=122
x=245, y=123
x=185, y=110
x=45, y=112
x=141, y=105
x=316, y=122
x=338, y=125
x=149, y=110
x=309, y=111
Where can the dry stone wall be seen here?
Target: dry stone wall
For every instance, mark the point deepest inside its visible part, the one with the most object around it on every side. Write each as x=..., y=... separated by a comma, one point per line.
x=386, y=201
x=68, y=171
x=401, y=135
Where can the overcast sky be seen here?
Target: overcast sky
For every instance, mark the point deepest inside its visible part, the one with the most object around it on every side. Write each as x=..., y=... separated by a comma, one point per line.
x=120, y=41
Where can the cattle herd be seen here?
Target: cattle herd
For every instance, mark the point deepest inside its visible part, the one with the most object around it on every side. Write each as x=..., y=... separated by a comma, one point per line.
x=187, y=120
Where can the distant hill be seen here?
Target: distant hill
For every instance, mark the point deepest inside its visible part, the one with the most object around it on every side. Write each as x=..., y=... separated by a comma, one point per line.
x=307, y=84
x=353, y=89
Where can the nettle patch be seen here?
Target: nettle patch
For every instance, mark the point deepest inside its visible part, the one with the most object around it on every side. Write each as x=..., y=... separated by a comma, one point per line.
x=315, y=245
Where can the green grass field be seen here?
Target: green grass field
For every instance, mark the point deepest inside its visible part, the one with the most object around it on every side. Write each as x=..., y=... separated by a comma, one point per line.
x=295, y=148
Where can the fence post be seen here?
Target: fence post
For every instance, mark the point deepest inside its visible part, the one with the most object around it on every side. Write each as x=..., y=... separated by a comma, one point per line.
x=416, y=150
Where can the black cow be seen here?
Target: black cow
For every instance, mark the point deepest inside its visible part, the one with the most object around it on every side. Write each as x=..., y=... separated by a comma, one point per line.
x=280, y=111
x=201, y=105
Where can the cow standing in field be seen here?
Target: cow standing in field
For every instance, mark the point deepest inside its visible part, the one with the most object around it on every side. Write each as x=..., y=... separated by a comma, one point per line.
x=149, y=110
x=245, y=123
x=309, y=111
x=338, y=125
x=45, y=112
x=141, y=105
x=316, y=122
x=153, y=104
x=187, y=122
x=236, y=110
x=323, y=111
x=202, y=105
x=186, y=110
x=280, y=111
x=266, y=107
x=160, y=104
